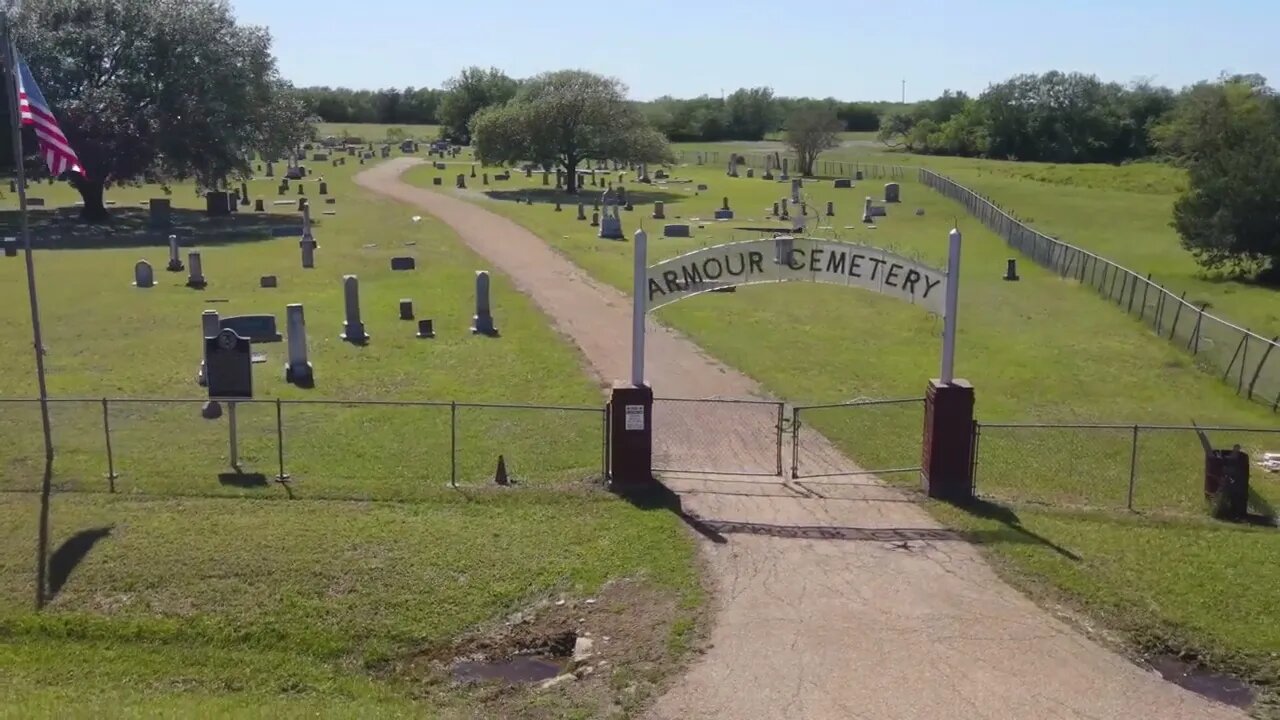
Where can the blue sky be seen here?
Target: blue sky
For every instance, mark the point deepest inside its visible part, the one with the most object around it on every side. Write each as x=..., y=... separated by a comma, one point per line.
x=851, y=49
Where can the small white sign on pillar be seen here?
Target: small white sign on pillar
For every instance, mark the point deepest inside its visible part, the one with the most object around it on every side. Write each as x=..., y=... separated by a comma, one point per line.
x=634, y=417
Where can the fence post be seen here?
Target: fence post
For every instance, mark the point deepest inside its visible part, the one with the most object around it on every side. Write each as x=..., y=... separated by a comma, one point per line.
x=604, y=449
x=282, y=476
x=1196, y=333
x=1262, y=362
x=1142, y=314
x=1234, y=355
x=1133, y=467
x=780, y=418
x=111, y=463
x=1177, y=314
x=795, y=443
x=1160, y=310
x=1133, y=292
x=453, y=443
x=1244, y=360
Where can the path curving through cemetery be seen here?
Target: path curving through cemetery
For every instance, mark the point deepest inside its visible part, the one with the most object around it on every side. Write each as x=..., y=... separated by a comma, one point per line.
x=836, y=601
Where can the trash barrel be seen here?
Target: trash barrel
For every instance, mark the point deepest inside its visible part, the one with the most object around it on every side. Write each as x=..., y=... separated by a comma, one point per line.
x=1226, y=483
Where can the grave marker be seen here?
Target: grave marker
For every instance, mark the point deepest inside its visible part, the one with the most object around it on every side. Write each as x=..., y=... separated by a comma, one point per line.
x=161, y=211
x=406, y=309
x=175, y=262
x=404, y=263
x=297, y=370
x=352, y=328
x=142, y=275
x=891, y=192
x=195, y=273
x=482, y=321
x=254, y=328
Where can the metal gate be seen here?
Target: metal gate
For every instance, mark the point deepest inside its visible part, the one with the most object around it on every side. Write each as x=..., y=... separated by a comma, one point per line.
x=718, y=437
x=863, y=437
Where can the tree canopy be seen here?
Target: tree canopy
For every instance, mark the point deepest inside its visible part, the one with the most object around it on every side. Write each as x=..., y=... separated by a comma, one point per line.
x=157, y=90
x=810, y=130
x=1227, y=135
x=562, y=118
x=473, y=90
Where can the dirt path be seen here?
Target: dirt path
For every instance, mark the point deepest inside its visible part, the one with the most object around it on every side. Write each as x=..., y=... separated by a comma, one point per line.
x=852, y=606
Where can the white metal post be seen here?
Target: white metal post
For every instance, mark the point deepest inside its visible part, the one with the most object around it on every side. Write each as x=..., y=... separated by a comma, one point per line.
x=640, y=289
x=953, y=301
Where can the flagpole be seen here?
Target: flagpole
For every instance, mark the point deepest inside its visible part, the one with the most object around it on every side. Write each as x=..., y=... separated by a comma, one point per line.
x=46, y=486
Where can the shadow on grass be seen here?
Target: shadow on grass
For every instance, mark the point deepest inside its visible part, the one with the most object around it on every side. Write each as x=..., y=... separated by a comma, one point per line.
x=61, y=228
x=1013, y=530
x=1262, y=512
x=243, y=480
x=587, y=195
x=68, y=556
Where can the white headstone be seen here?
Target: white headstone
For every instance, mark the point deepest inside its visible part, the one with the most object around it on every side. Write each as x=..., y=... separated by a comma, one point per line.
x=298, y=369
x=175, y=263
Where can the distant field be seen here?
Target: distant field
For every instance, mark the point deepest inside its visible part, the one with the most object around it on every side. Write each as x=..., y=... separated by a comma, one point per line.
x=373, y=131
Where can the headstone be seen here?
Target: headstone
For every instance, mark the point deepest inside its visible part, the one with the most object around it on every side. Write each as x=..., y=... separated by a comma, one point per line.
x=161, y=213
x=724, y=204
x=701, y=187
x=582, y=211
x=271, y=170
x=595, y=219
x=244, y=193
x=482, y=321
x=891, y=193
x=217, y=204
x=784, y=175
x=485, y=178
x=406, y=309
x=302, y=189
x=751, y=173
x=302, y=204
x=557, y=206
x=324, y=188
x=462, y=181
x=795, y=190
x=610, y=224
x=268, y=281
x=426, y=329
x=175, y=262
x=142, y=275
x=659, y=212
x=842, y=184
x=473, y=171
x=831, y=209
x=298, y=369
x=681, y=231
x=11, y=247
x=1011, y=270
x=866, y=211
x=352, y=327
x=436, y=181
x=195, y=273
x=308, y=253
x=257, y=328
x=724, y=215
x=406, y=262
x=785, y=211
x=774, y=212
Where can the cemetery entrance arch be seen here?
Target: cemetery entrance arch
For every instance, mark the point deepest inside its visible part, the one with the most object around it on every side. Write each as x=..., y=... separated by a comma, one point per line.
x=747, y=437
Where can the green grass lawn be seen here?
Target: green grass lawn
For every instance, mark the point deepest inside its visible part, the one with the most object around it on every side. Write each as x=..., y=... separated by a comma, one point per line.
x=1040, y=350
x=212, y=596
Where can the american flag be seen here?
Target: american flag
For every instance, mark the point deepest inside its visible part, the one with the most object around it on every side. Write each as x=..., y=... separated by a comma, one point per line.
x=33, y=109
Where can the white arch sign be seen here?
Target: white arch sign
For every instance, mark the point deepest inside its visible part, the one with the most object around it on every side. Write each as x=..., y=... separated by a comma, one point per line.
x=794, y=259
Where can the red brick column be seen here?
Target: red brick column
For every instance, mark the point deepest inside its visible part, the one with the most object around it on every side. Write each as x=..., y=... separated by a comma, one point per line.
x=631, y=436
x=947, y=463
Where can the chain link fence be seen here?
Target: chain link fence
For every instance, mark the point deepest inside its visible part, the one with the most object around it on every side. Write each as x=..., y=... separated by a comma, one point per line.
x=383, y=450
x=717, y=436
x=1245, y=360
x=874, y=437
x=760, y=161
x=1148, y=468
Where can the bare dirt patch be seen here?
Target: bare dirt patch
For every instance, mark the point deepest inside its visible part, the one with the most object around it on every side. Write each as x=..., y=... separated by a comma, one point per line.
x=601, y=656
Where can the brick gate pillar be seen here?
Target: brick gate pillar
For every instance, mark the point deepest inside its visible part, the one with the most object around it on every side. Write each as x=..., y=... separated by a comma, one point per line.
x=946, y=468
x=631, y=436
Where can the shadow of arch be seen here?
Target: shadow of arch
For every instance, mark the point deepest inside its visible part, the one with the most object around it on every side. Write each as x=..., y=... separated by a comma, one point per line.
x=69, y=555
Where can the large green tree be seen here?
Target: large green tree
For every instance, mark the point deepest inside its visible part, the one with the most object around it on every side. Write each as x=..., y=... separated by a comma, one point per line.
x=810, y=130
x=1227, y=135
x=163, y=90
x=562, y=118
x=471, y=91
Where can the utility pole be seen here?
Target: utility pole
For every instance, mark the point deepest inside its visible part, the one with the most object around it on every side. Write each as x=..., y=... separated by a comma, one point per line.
x=904, y=91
